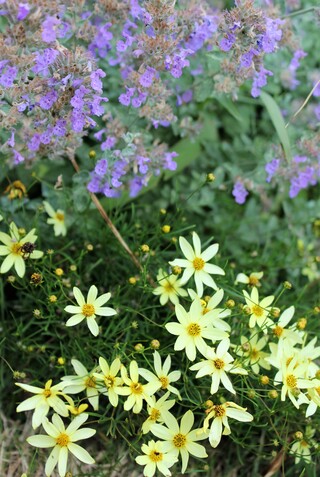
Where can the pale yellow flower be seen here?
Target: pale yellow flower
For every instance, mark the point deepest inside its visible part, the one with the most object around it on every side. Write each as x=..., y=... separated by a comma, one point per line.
x=63, y=440
x=89, y=308
x=155, y=459
x=252, y=280
x=42, y=401
x=196, y=263
x=112, y=382
x=158, y=412
x=17, y=249
x=136, y=391
x=250, y=350
x=83, y=381
x=193, y=328
x=292, y=378
x=217, y=365
x=281, y=331
x=180, y=439
x=259, y=310
x=57, y=219
x=169, y=288
x=220, y=425
x=163, y=373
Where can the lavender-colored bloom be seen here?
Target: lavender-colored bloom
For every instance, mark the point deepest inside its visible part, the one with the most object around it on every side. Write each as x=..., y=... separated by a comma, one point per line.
x=293, y=66
x=101, y=167
x=17, y=157
x=101, y=43
x=34, y=142
x=142, y=164
x=49, y=29
x=78, y=120
x=96, y=83
x=168, y=162
x=227, y=42
x=60, y=128
x=3, y=63
x=109, y=143
x=125, y=98
x=299, y=159
x=316, y=92
x=246, y=58
x=239, y=193
x=95, y=106
x=302, y=180
x=7, y=78
x=271, y=168
x=259, y=81
x=135, y=186
x=147, y=77
x=23, y=11
x=272, y=35
x=47, y=101
x=46, y=136
x=94, y=185
x=44, y=59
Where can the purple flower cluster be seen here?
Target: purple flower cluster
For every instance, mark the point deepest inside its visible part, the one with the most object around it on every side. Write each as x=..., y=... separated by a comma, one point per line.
x=239, y=192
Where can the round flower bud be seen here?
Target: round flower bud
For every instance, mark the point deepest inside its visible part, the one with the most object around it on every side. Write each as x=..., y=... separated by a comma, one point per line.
x=230, y=304
x=273, y=394
x=36, y=279
x=302, y=323
x=208, y=403
x=139, y=348
x=89, y=247
x=59, y=272
x=132, y=280
x=264, y=380
x=61, y=360
x=298, y=435
x=210, y=177
x=166, y=229
x=155, y=344
x=52, y=298
x=287, y=285
x=163, y=211
x=251, y=393
x=92, y=154
x=176, y=270
x=145, y=248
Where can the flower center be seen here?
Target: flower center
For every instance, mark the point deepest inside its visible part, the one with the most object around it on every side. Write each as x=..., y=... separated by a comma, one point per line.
x=194, y=329
x=62, y=440
x=179, y=440
x=253, y=281
x=47, y=393
x=109, y=381
x=257, y=310
x=154, y=414
x=88, y=310
x=277, y=331
x=317, y=390
x=136, y=388
x=16, y=248
x=164, y=382
x=219, y=410
x=254, y=353
x=156, y=456
x=90, y=382
x=198, y=263
x=218, y=363
x=168, y=287
x=60, y=216
x=291, y=381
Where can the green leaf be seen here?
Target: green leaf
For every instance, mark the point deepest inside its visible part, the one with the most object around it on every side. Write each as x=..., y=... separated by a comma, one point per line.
x=80, y=194
x=278, y=122
x=229, y=105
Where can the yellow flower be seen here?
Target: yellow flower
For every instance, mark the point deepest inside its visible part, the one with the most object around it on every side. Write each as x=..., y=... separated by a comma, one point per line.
x=259, y=310
x=192, y=329
x=196, y=263
x=252, y=280
x=111, y=381
x=63, y=440
x=89, y=308
x=83, y=381
x=180, y=439
x=169, y=288
x=17, y=249
x=57, y=219
x=155, y=458
x=158, y=412
x=136, y=391
x=220, y=413
x=42, y=401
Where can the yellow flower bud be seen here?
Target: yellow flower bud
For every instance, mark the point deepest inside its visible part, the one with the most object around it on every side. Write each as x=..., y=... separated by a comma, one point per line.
x=264, y=380
x=176, y=270
x=59, y=272
x=155, y=344
x=166, y=229
x=210, y=177
x=145, y=248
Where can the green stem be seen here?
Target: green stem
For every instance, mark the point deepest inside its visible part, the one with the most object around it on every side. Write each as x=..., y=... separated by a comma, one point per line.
x=299, y=12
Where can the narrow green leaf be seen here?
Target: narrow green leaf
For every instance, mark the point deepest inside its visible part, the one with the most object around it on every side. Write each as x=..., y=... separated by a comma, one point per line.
x=230, y=106
x=278, y=122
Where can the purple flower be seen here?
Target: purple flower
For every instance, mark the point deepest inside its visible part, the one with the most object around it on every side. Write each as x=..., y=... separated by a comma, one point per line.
x=7, y=78
x=78, y=120
x=101, y=167
x=11, y=141
x=147, y=77
x=260, y=80
x=168, y=163
x=109, y=143
x=246, y=58
x=96, y=83
x=272, y=35
x=227, y=42
x=46, y=136
x=47, y=101
x=34, y=142
x=239, y=193
x=125, y=98
x=43, y=60
x=17, y=157
x=271, y=168
x=94, y=185
x=23, y=11
x=49, y=29
x=60, y=128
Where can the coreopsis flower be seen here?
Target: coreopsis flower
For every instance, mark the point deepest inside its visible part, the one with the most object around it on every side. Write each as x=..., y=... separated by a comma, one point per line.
x=252, y=280
x=281, y=332
x=192, y=329
x=217, y=365
x=57, y=219
x=180, y=439
x=250, y=350
x=83, y=381
x=88, y=309
x=162, y=373
x=73, y=409
x=42, y=401
x=137, y=392
x=259, y=310
x=301, y=451
x=196, y=263
x=63, y=441
x=220, y=414
x=169, y=288
x=17, y=249
x=292, y=378
x=313, y=396
x=111, y=381
x=210, y=308
x=158, y=412
x=156, y=458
